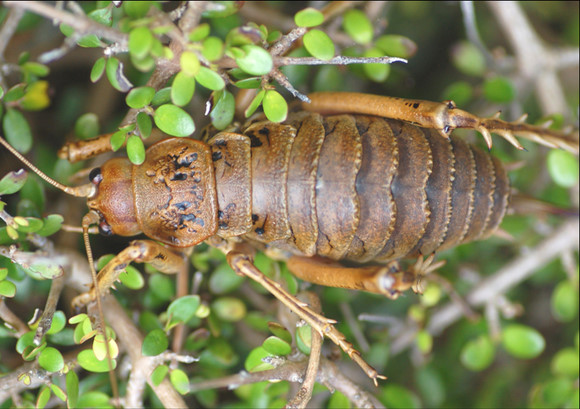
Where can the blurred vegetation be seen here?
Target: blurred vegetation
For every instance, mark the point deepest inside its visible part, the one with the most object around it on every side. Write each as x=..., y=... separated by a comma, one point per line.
x=521, y=351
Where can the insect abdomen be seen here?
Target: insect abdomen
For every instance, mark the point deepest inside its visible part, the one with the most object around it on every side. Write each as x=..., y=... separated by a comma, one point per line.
x=368, y=188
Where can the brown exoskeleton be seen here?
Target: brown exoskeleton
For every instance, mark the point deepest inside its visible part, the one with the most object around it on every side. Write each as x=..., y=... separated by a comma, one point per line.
x=355, y=177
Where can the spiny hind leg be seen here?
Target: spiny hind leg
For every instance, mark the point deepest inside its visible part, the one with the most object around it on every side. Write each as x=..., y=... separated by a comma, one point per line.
x=243, y=265
x=165, y=259
x=441, y=116
x=389, y=280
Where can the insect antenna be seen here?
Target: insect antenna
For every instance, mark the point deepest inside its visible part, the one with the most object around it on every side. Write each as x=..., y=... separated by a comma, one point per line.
x=78, y=191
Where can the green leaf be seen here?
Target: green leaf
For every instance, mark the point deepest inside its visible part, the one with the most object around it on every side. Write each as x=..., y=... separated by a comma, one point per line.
x=88, y=361
x=182, y=89
x=144, y=124
x=95, y=399
x=43, y=397
x=397, y=396
x=140, y=97
x=522, y=341
x=162, y=96
x=12, y=182
x=87, y=126
x=563, y=168
x=224, y=280
x=338, y=401
x=213, y=48
x=51, y=359
x=98, y=69
x=277, y=346
x=499, y=90
x=135, y=150
x=52, y=224
x=72, y=389
x=478, y=354
x=199, y=33
x=255, y=61
x=275, y=106
x=118, y=139
x=565, y=302
x=183, y=309
x=358, y=26
x=36, y=96
x=140, y=42
x=58, y=323
x=376, y=72
x=304, y=339
x=468, y=59
x=132, y=278
x=159, y=374
x=223, y=111
x=229, y=309
x=136, y=9
x=155, y=343
x=7, y=289
x=308, y=17
x=461, y=92
x=319, y=44
x=396, y=45
x=566, y=363
x=424, y=341
x=17, y=131
x=255, y=360
x=256, y=102
x=210, y=79
x=189, y=63
x=114, y=71
x=173, y=120
x=280, y=331
x=180, y=381
x=3, y=273
x=15, y=93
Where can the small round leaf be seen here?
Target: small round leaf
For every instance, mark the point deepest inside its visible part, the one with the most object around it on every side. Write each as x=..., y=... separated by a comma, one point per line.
x=87, y=126
x=189, y=63
x=7, y=289
x=222, y=113
x=210, y=79
x=275, y=106
x=182, y=89
x=135, y=150
x=155, y=343
x=255, y=61
x=183, y=309
x=144, y=124
x=173, y=120
x=179, y=381
x=51, y=359
x=229, y=309
x=478, y=354
x=140, y=97
x=12, y=182
x=277, y=346
x=309, y=17
x=358, y=26
x=522, y=341
x=499, y=90
x=563, y=168
x=17, y=131
x=255, y=360
x=140, y=42
x=319, y=44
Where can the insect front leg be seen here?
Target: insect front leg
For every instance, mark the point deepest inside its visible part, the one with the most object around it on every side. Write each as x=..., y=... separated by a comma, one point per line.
x=165, y=259
x=242, y=264
x=389, y=280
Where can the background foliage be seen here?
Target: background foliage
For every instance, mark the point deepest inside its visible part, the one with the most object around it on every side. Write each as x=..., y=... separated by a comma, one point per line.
x=519, y=349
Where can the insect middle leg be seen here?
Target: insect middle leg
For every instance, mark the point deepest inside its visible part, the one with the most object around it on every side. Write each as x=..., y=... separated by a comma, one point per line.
x=165, y=259
x=242, y=264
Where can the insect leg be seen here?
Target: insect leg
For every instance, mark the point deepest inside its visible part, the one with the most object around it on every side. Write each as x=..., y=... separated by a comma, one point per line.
x=389, y=280
x=243, y=265
x=165, y=259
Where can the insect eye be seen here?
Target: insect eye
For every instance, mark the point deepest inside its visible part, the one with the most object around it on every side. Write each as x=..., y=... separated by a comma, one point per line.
x=96, y=176
x=105, y=229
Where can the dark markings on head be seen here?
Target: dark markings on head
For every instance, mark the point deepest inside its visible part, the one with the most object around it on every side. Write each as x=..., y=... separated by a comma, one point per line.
x=216, y=156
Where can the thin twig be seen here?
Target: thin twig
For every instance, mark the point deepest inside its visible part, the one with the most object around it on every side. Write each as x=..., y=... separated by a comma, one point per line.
x=338, y=60
x=81, y=24
x=8, y=28
x=56, y=287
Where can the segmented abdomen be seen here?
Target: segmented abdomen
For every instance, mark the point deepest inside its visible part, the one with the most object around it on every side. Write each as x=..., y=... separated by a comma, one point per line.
x=368, y=188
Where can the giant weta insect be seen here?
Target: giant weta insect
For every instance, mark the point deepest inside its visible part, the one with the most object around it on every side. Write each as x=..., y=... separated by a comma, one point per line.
x=355, y=177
